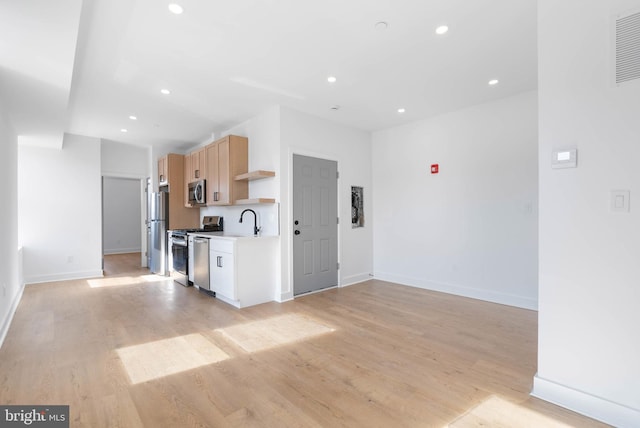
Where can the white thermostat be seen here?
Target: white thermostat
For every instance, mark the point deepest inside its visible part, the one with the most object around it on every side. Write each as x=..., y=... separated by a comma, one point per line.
x=564, y=158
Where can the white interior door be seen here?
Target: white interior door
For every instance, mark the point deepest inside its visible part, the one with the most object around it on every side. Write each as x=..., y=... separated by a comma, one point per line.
x=315, y=224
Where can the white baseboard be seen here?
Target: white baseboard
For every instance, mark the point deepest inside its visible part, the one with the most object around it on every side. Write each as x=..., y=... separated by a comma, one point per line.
x=121, y=251
x=589, y=405
x=474, y=293
x=284, y=297
x=6, y=322
x=64, y=276
x=355, y=279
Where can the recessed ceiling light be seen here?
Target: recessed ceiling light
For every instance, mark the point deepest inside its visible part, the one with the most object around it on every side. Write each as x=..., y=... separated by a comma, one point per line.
x=493, y=82
x=381, y=26
x=165, y=91
x=123, y=130
x=133, y=118
x=442, y=30
x=401, y=110
x=176, y=8
x=331, y=79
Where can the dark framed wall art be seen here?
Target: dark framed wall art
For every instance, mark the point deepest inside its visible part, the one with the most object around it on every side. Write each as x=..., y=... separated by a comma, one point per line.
x=357, y=207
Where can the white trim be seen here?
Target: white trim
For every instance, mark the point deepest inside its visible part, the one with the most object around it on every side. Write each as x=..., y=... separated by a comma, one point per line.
x=130, y=176
x=6, y=323
x=285, y=297
x=108, y=252
x=459, y=290
x=589, y=405
x=355, y=279
x=145, y=185
x=143, y=179
x=66, y=276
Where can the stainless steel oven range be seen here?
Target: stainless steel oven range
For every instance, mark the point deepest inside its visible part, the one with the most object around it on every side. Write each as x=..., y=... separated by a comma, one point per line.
x=179, y=256
x=181, y=266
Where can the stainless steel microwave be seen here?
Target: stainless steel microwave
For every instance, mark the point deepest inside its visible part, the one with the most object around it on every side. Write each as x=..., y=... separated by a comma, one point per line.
x=197, y=192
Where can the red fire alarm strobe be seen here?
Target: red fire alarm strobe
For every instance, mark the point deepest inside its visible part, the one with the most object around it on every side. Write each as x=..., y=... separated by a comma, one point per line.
x=434, y=168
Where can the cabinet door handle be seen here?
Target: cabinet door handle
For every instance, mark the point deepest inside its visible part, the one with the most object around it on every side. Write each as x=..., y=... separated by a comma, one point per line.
x=216, y=196
x=219, y=261
x=161, y=178
x=197, y=173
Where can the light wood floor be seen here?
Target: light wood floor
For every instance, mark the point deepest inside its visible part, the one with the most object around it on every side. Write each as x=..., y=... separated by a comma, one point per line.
x=132, y=350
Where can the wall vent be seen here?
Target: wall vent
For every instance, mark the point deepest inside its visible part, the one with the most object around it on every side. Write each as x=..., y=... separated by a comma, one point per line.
x=627, y=48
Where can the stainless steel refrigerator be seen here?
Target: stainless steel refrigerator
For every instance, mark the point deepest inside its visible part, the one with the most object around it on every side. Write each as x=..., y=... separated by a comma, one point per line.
x=158, y=220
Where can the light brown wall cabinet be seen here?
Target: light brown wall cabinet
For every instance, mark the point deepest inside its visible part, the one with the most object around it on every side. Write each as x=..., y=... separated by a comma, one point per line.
x=171, y=179
x=162, y=171
x=225, y=159
x=195, y=164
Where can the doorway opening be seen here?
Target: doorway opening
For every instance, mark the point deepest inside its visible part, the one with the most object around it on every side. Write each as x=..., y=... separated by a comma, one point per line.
x=123, y=217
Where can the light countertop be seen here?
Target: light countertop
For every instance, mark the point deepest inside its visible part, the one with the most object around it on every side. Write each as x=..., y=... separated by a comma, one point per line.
x=226, y=235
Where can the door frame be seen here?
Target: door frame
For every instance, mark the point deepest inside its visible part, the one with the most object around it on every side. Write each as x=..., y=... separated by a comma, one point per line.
x=288, y=225
x=143, y=212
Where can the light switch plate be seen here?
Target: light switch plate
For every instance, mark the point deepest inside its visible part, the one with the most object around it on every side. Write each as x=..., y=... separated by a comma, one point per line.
x=620, y=201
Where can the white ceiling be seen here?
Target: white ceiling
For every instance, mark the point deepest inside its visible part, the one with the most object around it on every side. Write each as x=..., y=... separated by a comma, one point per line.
x=37, y=48
x=226, y=61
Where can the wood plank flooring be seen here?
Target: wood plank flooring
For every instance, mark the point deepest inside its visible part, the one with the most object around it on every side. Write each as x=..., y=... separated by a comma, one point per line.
x=136, y=350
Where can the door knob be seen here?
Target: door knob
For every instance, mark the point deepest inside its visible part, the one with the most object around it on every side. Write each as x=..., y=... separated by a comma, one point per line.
x=297, y=232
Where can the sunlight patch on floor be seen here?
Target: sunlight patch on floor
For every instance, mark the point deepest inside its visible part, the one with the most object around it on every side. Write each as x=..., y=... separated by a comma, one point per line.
x=272, y=332
x=125, y=280
x=498, y=413
x=154, y=360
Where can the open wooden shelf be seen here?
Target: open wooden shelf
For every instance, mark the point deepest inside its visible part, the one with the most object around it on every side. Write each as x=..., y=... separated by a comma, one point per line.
x=255, y=175
x=255, y=201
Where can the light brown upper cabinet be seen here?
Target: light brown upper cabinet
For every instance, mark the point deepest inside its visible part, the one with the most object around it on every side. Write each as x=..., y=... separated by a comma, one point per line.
x=171, y=179
x=197, y=165
x=162, y=171
x=194, y=170
x=227, y=158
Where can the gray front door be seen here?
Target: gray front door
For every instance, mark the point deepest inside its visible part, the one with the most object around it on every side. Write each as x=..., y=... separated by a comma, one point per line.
x=315, y=228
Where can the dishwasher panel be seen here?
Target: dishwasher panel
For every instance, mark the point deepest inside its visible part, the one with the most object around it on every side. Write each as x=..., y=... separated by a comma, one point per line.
x=201, y=262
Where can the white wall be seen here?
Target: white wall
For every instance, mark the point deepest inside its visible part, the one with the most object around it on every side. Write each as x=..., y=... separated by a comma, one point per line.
x=589, y=350
x=263, y=132
x=121, y=215
x=129, y=161
x=59, y=206
x=11, y=285
x=471, y=229
x=308, y=135
x=124, y=160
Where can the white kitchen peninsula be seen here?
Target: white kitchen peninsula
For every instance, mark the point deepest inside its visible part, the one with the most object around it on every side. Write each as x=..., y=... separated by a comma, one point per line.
x=242, y=268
